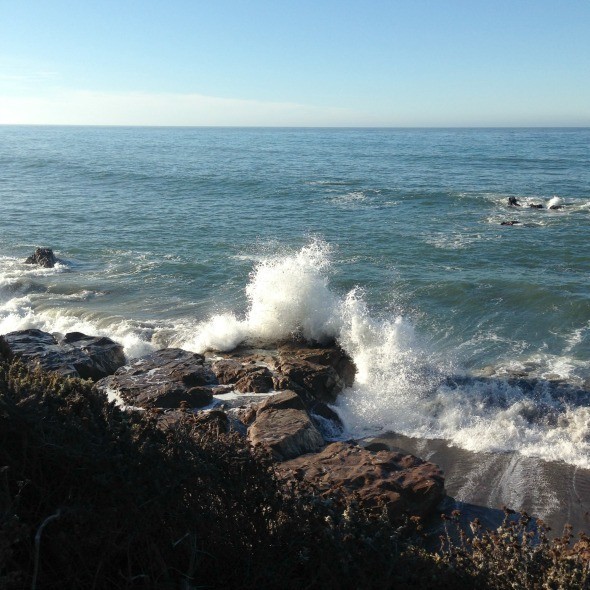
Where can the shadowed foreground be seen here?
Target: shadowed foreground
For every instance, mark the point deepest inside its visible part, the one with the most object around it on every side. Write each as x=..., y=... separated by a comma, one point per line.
x=94, y=497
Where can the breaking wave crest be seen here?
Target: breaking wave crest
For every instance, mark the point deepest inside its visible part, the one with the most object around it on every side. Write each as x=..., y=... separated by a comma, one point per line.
x=403, y=384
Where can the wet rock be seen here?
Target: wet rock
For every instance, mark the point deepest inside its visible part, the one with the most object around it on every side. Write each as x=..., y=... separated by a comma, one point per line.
x=75, y=355
x=228, y=371
x=321, y=372
x=326, y=420
x=404, y=483
x=246, y=378
x=258, y=380
x=286, y=400
x=283, y=426
x=534, y=206
x=328, y=356
x=164, y=379
x=42, y=257
x=556, y=207
x=513, y=222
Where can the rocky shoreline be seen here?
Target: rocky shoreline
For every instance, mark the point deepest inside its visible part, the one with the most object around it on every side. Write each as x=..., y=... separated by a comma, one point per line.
x=276, y=397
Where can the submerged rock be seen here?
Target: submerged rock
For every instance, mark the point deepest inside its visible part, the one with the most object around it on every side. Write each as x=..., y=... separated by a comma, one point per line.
x=43, y=257
x=403, y=483
x=167, y=378
x=75, y=355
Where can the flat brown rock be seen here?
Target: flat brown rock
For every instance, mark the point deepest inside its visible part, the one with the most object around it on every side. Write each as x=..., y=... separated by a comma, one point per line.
x=246, y=378
x=404, y=483
x=283, y=426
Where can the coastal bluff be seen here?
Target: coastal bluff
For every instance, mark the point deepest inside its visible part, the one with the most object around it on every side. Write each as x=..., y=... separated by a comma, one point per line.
x=276, y=396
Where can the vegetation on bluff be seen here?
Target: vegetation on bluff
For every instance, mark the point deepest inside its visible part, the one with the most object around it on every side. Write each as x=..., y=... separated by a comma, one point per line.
x=94, y=497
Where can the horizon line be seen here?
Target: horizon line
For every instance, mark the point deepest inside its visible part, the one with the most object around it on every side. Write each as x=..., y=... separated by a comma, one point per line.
x=390, y=127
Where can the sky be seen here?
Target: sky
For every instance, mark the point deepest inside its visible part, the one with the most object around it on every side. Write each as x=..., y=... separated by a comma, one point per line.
x=390, y=63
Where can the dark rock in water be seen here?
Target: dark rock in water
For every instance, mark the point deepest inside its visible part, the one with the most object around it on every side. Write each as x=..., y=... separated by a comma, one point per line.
x=228, y=371
x=533, y=206
x=316, y=373
x=286, y=400
x=43, y=257
x=513, y=202
x=283, y=426
x=164, y=379
x=556, y=207
x=76, y=355
x=404, y=483
x=514, y=222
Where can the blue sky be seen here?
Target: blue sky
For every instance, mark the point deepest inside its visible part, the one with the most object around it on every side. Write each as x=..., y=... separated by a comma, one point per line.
x=283, y=62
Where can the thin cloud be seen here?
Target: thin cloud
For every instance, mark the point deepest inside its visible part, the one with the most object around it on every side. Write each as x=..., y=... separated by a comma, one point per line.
x=83, y=107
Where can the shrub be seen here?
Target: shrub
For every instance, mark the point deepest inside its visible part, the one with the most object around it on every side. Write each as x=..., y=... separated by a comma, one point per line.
x=519, y=554
x=94, y=497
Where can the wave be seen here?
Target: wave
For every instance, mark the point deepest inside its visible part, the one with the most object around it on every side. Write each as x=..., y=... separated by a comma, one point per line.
x=404, y=382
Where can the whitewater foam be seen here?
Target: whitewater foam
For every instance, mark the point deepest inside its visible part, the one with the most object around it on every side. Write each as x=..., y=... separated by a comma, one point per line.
x=403, y=383
x=287, y=295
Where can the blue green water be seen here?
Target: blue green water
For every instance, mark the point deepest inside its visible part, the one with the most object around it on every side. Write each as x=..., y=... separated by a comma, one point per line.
x=389, y=240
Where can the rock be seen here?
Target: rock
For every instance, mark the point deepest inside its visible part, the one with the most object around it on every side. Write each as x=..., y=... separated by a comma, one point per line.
x=556, y=207
x=533, y=206
x=326, y=420
x=249, y=378
x=43, y=257
x=258, y=380
x=404, y=483
x=283, y=426
x=76, y=355
x=513, y=222
x=286, y=400
x=163, y=379
x=228, y=371
x=513, y=202
x=321, y=372
x=328, y=356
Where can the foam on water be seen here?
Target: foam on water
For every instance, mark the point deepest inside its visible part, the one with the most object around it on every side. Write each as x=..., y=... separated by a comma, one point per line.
x=402, y=384
x=287, y=295
x=26, y=303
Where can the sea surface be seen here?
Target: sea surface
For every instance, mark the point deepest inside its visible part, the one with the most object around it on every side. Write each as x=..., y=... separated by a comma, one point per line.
x=466, y=333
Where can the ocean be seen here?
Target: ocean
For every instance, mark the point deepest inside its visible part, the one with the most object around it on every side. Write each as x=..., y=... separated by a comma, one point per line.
x=468, y=335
